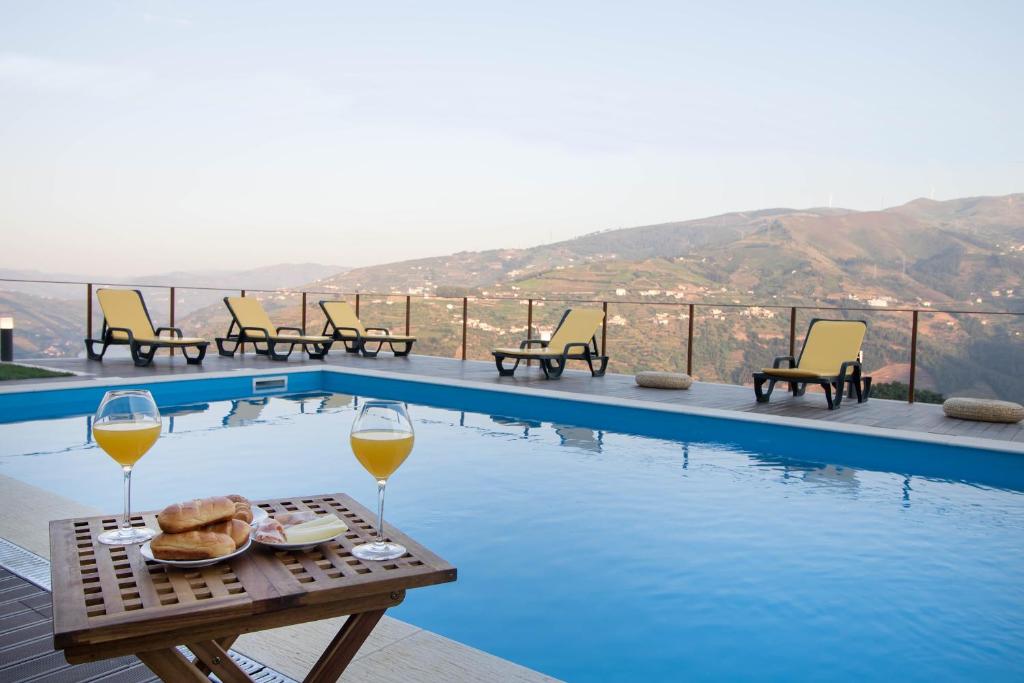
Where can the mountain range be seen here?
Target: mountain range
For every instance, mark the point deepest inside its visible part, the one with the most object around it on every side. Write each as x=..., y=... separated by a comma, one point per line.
x=962, y=254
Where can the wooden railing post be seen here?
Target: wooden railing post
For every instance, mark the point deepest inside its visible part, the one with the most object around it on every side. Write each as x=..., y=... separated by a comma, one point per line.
x=408, y=309
x=170, y=351
x=689, y=343
x=604, y=329
x=529, y=325
x=913, y=358
x=465, y=313
x=88, y=311
x=792, y=331
x=303, y=313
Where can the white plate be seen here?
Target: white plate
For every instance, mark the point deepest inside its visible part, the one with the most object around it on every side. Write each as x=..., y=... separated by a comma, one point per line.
x=147, y=553
x=300, y=546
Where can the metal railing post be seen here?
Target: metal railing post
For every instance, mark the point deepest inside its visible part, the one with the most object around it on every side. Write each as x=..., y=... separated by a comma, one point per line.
x=303, y=313
x=604, y=329
x=465, y=312
x=170, y=351
x=241, y=347
x=88, y=311
x=689, y=343
x=913, y=358
x=529, y=325
x=792, y=331
x=357, y=304
x=408, y=308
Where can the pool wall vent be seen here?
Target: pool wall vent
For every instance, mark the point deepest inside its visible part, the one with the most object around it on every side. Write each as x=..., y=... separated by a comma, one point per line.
x=264, y=385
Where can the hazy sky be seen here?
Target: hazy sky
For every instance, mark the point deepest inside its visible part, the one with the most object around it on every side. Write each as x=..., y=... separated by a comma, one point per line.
x=147, y=136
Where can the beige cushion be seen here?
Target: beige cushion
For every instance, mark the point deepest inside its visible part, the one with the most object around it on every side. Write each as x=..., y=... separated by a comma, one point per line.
x=983, y=410
x=664, y=380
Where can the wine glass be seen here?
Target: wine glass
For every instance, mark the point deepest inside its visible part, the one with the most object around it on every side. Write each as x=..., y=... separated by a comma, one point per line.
x=382, y=438
x=127, y=424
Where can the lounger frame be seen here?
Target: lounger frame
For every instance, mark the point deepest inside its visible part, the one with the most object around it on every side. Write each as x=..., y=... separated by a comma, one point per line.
x=850, y=379
x=355, y=342
x=270, y=340
x=554, y=366
x=140, y=356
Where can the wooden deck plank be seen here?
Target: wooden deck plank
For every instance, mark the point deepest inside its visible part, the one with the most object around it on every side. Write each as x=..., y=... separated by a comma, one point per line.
x=27, y=652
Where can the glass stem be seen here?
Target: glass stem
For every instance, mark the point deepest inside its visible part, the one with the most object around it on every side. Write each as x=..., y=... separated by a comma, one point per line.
x=381, y=483
x=126, y=521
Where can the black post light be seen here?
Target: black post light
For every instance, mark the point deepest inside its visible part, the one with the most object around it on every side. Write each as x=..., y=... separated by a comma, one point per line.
x=6, y=339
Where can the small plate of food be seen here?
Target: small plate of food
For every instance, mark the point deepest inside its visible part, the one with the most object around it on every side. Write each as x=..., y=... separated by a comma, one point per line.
x=303, y=530
x=204, y=531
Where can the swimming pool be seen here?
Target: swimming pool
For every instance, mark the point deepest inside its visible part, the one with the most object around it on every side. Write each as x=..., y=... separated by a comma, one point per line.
x=655, y=548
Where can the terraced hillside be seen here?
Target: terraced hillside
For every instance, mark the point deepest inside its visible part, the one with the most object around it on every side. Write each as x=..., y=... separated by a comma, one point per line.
x=744, y=270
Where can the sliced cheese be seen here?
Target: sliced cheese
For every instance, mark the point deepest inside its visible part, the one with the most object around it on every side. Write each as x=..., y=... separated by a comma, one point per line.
x=319, y=521
x=320, y=532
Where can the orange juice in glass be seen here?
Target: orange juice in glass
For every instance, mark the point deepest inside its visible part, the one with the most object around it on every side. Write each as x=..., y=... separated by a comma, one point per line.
x=382, y=438
x=126, y=426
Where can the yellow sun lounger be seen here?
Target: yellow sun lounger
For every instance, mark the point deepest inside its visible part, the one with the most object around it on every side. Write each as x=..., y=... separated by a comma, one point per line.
x=253, y=325
x=126, y=321
x=575, y=338
x=344, y=325
x=828, y=358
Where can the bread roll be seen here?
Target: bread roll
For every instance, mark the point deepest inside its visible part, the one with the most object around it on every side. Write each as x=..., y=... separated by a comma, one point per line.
x=243, y=508
x=235, y=528
x=193, y=514
x=192, y=545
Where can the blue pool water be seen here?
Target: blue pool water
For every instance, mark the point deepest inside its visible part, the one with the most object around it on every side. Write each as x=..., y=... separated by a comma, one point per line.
x=606, y=555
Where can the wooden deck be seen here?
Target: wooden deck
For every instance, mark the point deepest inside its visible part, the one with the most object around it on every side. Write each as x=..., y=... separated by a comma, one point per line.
x=26, y=642
x=896, y=415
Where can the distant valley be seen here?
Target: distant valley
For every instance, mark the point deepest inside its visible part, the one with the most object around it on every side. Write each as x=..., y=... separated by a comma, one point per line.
x=964, y=254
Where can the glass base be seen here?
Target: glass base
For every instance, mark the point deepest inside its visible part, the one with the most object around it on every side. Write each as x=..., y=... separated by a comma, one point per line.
x=129, y=536
x=378, y=551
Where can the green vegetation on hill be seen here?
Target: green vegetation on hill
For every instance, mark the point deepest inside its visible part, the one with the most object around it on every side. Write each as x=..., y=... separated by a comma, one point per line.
x=899, y=391
x=9, y=371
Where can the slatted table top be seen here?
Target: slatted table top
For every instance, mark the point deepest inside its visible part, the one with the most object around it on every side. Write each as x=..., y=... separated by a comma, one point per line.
x=105, y=594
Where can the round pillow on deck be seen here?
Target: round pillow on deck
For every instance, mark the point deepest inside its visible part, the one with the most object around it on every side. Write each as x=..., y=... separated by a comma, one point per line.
x=664, y=380
x=983, y=410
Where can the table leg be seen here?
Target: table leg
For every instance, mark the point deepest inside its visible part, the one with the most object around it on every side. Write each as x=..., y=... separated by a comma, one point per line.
x=225, y=644
x=211, y=655
x=344, y=647
x=172, y=666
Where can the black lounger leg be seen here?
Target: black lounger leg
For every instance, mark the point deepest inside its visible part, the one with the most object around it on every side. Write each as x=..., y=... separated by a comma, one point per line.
x=763, y=396
x=499, y=361
x=90, y=353
x=222, y=349
x=196, y=359
x=134, y=349
x=367, y=353
x=319, y=351
x=827, y=386
x=554, y=368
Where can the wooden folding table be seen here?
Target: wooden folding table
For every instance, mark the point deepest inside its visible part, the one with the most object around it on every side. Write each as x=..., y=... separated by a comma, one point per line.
x=109, y=601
